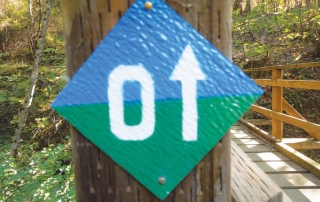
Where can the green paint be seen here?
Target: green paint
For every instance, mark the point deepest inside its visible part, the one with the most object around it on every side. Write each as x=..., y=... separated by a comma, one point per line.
x=164, y=153
x=132, y=113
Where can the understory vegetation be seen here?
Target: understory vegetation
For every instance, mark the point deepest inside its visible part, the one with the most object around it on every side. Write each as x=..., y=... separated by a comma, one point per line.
x=265, y=33
x=42, y=170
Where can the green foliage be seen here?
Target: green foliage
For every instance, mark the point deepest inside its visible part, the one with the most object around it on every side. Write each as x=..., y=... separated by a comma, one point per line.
x=14, y=81
x=52, y=56
x=45, y=175
x=11, y=94
x=19, y=36
x=43, y=169
x=276, y=34
x=13, y=20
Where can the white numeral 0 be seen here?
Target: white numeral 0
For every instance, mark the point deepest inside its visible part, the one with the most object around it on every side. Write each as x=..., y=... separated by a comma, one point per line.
x=117, y=78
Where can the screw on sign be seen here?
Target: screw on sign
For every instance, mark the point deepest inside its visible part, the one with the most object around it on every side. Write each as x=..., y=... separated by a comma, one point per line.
x=156, y=96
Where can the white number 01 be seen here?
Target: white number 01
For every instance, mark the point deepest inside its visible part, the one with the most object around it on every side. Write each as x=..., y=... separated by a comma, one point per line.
x=187, y=71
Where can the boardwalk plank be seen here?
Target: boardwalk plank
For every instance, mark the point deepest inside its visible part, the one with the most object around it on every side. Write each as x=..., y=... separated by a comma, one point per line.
x=236, y=127
x=280, y=167
x=249, y=183
x=267, y=156
x=241, y=134
x=255, y=148
x=295, y=180
x=286, y=198
x=302, y=195
x=247, y=141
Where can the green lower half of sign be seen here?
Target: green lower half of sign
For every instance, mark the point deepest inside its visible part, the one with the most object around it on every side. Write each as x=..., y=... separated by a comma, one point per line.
x=164, y=153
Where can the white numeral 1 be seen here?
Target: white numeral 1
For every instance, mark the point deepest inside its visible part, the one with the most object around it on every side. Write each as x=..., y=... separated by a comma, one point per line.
x=188, y=72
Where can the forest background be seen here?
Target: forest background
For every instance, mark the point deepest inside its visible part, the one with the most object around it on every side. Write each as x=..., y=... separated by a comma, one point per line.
x=265, y=32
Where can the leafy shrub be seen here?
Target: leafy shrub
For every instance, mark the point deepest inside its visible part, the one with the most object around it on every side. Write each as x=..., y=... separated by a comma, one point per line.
x=37, y=176
x=280, y=35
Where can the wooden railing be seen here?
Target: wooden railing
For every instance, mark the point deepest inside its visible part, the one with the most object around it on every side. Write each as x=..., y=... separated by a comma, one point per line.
x=279, y=104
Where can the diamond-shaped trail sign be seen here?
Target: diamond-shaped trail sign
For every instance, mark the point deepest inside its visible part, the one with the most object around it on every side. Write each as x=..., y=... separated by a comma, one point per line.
x=156, y=96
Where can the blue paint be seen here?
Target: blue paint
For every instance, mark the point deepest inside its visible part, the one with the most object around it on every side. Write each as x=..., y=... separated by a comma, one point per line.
x=131, y=89
x=156, y=39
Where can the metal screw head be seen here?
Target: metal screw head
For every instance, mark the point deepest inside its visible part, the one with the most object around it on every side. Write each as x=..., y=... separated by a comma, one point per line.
x=162, y=180
x=148, y=5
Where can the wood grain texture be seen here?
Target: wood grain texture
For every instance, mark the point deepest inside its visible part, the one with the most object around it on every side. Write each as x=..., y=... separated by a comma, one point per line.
x=249, y=183
x=259, y=122
x=303, y=194
x=289, y=119
x=280, y=167
x=302, y=143
x=267, y=156
x=296, y=180
x=255, y=148
x=261, y=133
x=290, y=66
x=277, y=92
x=292, y=112
x=314, y=85
x=299, y=158
x=249, y=142
x=99, y=178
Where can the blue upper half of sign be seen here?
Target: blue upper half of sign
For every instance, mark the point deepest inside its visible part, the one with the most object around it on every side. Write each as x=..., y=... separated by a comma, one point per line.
x=155, y=39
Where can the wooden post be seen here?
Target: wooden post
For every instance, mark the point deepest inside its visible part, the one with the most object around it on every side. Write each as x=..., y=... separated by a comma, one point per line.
x=98, y=178
x=277, y=125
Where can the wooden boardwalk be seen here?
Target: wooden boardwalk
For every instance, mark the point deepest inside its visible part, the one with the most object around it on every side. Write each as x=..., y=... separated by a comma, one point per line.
x=296, y=182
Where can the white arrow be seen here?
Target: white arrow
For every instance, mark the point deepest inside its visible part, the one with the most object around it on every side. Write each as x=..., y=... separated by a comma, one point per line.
x=188, y=72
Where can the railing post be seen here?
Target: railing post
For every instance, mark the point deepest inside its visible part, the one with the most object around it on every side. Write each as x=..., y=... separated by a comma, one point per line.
x=277, y=91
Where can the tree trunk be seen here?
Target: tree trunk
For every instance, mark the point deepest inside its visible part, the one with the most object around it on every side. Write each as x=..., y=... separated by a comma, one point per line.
x=31, y=12
x=307, y=3
x=32, y=36
x=237, y=4
x=248, y=7
x=98, y=177
x=29, y=96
